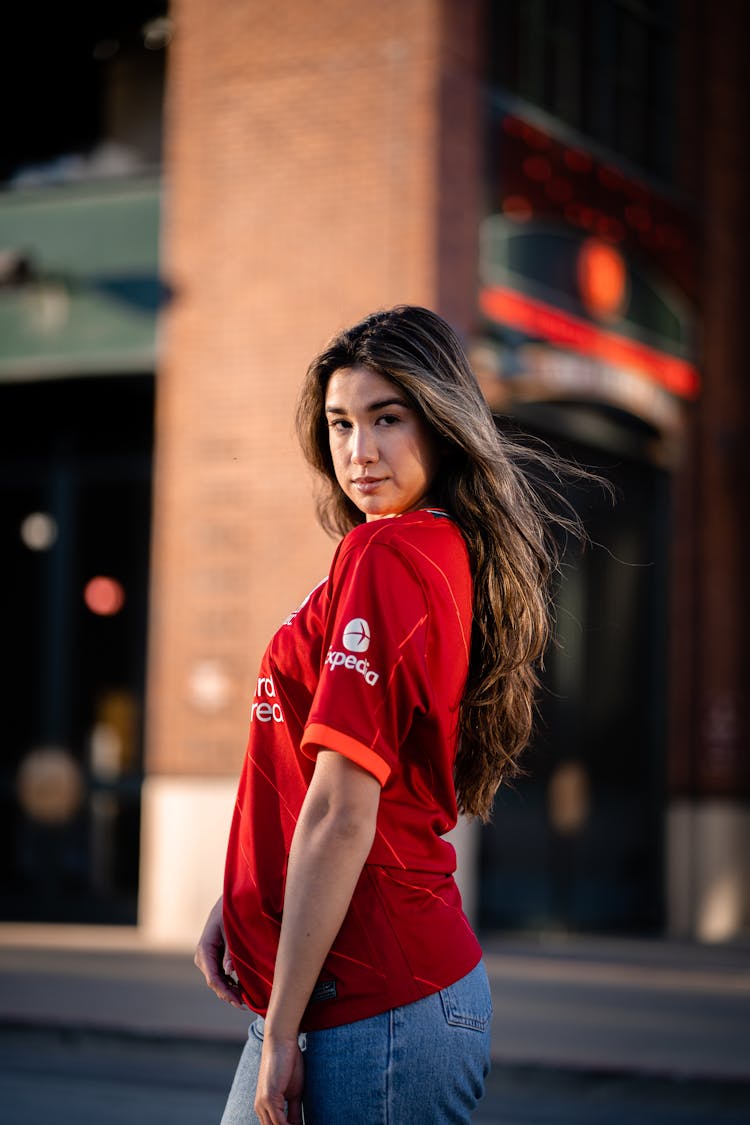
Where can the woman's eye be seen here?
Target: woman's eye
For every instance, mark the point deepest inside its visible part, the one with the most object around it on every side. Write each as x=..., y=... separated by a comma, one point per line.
x=339, y=424
x=389, y=419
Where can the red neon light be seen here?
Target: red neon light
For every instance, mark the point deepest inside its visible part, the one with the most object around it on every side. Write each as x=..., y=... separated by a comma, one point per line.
x=539, y=319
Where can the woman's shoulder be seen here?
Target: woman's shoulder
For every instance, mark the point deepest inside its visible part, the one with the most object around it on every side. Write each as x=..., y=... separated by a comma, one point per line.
x=420, y=554
x=428, y=532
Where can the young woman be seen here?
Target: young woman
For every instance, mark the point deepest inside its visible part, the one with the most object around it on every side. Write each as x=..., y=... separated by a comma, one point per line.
x=398, y=695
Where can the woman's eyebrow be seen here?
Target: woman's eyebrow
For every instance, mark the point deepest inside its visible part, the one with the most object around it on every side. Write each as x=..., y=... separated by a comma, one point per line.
x=373, y=406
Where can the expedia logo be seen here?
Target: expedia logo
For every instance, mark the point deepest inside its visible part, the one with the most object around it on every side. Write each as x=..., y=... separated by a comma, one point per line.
x=356, y=638
x=357, y=635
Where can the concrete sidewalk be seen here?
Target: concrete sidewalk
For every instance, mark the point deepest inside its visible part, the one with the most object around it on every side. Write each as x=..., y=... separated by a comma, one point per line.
x=583, y=1004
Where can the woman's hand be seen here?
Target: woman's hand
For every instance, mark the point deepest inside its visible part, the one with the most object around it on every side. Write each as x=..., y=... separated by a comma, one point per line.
x=280, y=1081
x=214, y=961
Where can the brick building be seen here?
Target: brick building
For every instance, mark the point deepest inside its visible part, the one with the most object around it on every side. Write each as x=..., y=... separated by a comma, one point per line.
x=316, y=162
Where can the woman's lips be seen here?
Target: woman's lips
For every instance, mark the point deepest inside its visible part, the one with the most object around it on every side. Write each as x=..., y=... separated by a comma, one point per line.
x=367, y=484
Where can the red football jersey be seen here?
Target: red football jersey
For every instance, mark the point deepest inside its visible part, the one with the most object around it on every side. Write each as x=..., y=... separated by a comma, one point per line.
x=372, y=665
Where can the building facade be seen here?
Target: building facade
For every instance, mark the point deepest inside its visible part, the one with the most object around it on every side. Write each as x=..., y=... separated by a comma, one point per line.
x=561, y=182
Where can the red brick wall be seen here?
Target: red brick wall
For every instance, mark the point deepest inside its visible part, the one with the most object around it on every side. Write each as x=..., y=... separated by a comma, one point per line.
x=302, y=190
x=710, y=752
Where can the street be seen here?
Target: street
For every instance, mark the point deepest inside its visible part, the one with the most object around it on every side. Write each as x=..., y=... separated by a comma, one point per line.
x=97, y=1029
x=114, y=1079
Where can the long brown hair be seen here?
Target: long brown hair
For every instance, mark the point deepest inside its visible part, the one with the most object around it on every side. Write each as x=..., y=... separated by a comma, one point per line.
x=491, y=486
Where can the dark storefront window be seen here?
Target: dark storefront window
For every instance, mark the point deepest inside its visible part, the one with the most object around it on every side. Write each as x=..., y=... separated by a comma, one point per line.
x=75, y=488
x=604, y=67
x=600, y=362
x=576, y=844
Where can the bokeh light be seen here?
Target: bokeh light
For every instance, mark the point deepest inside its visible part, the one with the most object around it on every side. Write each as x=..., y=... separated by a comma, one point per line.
x=39, y=531
x=602, y=278
x=49, y=785
x=104, y=596
x=209, y=685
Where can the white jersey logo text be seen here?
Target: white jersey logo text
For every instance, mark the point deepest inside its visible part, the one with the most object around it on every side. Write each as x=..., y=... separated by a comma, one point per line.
x=263, y=709
x=348, y=660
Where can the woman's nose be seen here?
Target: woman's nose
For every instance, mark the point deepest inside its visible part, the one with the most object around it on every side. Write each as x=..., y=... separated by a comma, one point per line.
x=364, y=447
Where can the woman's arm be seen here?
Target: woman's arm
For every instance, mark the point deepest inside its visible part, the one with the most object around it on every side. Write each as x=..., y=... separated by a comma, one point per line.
x=331, y=842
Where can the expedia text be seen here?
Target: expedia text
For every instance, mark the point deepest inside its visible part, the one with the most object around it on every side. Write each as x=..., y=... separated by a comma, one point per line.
x=348, y=660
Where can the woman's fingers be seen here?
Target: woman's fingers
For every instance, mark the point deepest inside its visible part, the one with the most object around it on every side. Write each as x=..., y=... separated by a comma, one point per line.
x=214, y=961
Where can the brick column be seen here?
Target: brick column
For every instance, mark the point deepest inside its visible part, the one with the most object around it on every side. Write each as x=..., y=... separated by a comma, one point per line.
x=301, y=192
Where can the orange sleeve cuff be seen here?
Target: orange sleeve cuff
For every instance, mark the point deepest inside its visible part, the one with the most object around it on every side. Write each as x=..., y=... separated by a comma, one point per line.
x=318, y=735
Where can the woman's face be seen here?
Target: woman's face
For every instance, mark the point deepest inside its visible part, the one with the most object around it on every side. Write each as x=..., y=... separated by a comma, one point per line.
x=384, y=455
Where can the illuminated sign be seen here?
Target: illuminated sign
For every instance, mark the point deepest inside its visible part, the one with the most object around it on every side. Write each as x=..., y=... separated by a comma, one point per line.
x=542, y=321
x=581, y=259
x=538, y=177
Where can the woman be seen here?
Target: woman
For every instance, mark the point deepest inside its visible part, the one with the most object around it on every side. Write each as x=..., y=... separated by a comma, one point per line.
x=399, y=694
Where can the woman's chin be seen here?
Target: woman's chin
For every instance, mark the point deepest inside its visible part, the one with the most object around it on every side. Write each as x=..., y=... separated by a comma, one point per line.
x=375, y=511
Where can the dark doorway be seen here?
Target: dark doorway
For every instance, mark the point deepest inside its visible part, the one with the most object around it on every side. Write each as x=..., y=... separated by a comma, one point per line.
x=75, y=506
x=576, y=845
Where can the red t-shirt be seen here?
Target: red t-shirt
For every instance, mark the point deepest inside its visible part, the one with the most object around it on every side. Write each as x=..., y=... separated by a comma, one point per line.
x=372, y=665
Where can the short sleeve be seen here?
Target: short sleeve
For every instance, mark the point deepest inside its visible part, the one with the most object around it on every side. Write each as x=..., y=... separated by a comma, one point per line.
x=374, y=676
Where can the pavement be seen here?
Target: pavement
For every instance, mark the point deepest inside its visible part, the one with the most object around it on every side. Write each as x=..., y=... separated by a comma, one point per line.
x=586, y=1029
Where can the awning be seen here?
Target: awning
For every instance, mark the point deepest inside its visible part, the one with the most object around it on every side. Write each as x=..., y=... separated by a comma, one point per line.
x=79, y=279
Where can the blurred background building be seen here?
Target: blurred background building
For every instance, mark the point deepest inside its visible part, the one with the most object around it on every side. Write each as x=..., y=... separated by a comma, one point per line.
x=194, y=197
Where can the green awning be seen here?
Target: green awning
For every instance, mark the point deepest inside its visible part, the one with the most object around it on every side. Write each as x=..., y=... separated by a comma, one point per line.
x=79, y=279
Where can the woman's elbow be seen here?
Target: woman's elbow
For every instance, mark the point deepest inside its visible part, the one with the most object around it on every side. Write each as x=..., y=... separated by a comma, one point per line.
x=348, y=822
x=343, y=814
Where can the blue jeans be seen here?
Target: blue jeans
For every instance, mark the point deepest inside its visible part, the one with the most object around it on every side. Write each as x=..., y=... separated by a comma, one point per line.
x=423, y=1064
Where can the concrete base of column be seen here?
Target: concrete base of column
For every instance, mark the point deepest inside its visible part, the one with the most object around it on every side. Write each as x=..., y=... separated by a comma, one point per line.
x=185, y=827
x=708, y=869
x=465, y=839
